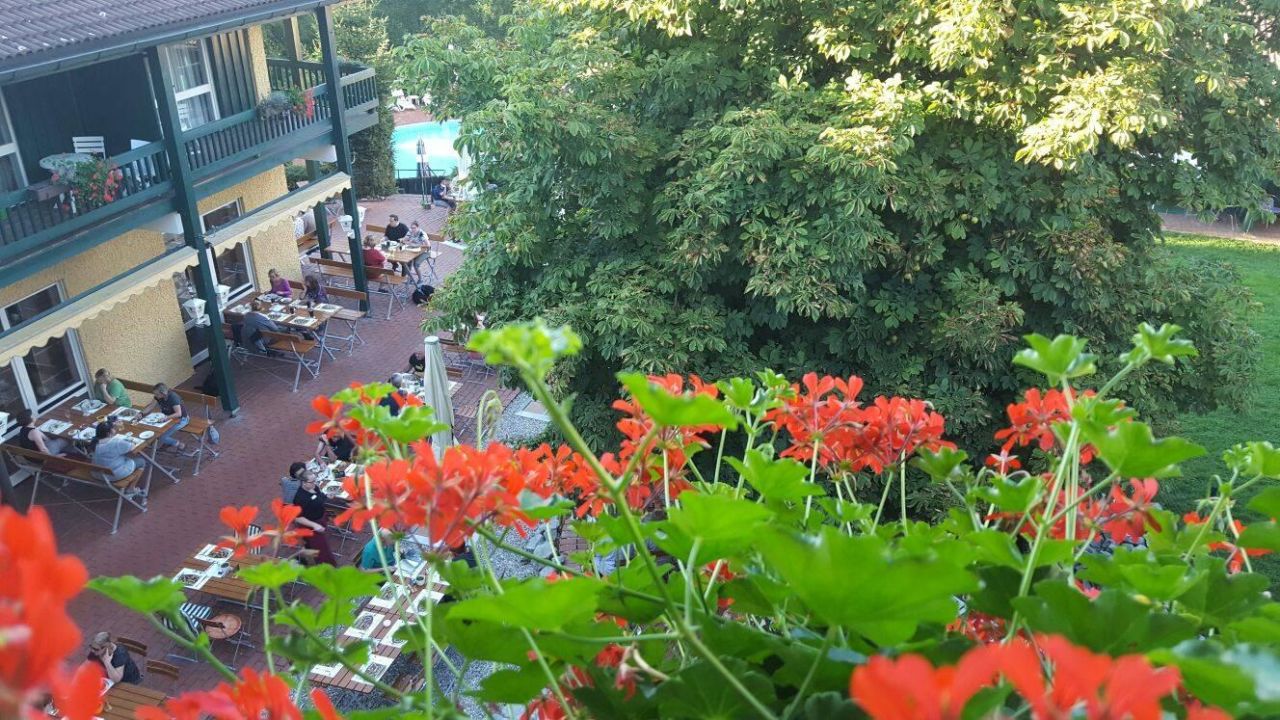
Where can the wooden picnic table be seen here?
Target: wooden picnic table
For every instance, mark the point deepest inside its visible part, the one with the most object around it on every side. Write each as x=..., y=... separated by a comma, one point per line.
x=229, y=587
x=144, y=447
x=384, y=622
x=289, y=313
x=123, y=700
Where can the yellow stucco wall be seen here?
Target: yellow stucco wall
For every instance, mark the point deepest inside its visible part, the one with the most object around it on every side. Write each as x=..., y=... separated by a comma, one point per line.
x=274, y=247
x=258, y=51
x=143, y=339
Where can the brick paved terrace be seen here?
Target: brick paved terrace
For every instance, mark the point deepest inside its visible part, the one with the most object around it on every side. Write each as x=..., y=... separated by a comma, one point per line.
x=256, y=449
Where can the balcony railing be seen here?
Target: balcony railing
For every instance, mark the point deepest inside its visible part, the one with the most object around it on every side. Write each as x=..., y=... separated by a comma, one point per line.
x=226, y=140
x=285, y=74
x=34, y=216
x=28, y=213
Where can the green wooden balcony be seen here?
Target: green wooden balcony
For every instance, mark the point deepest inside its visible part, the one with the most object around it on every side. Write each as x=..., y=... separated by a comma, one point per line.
x=222, y=152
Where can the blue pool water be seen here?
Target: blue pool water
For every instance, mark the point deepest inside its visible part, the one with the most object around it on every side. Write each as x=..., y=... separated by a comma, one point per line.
x=438, y=138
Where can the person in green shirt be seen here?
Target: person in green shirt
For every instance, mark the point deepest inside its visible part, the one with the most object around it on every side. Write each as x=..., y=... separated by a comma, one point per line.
x=110, y=390
x=371, y=561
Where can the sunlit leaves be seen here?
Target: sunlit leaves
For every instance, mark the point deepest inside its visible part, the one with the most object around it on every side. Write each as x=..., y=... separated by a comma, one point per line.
x=670, y=410
x=1159, y=345
x=1130, y=450
x=533, y=347
x=157, y=595
x=1060, y=359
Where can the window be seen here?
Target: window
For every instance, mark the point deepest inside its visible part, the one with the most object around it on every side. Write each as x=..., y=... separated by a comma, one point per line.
x=11, y=174
x=46, y=375
x=192, y=84
x=232, y=267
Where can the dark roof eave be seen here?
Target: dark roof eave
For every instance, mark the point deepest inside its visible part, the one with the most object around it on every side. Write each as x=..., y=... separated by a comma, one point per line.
x=78, y=55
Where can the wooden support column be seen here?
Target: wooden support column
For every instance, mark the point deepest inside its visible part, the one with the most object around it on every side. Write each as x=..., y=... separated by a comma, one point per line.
x=322, y=217
x=293, y=48
x=185, y=201
x=337, y=114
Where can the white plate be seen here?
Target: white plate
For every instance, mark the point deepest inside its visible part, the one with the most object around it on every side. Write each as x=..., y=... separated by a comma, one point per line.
x=146, y=434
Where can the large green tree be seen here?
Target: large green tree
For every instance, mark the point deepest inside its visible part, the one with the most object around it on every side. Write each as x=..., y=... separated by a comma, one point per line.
x=361, y=35
x=894, y=188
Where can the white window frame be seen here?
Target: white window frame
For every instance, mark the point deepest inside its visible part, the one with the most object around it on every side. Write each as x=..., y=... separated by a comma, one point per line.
x=20, y=369
x=11, y=148
x=205, y=89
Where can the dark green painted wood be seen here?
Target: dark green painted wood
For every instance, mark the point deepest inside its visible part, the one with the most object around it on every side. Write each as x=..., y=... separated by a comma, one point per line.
x=338, y=116
x=232, y=68
x=185, y=201
x=109, y=99
x=321, y=216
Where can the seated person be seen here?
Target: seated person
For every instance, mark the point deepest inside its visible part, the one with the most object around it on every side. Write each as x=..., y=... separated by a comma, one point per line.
x=255, y=323
x=113, y=453
x=396, y=398
x=371, y=559
x=373, y=257
x=279, y=285
x=109, y=390
x=32, y=438
x=290, y=483
x=117, y=665
x=417, y=364
x=395, y=230
x=441, y=194
x=170, y=403
x=313, y=291
x=339, y=448
x=416, y=236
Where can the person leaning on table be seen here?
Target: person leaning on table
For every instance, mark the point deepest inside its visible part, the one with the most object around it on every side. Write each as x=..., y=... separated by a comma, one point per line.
x=371, y=559
x=107, y=389
x=112, y=452
x=169, y=403
x=33, y=438
x=117, y=665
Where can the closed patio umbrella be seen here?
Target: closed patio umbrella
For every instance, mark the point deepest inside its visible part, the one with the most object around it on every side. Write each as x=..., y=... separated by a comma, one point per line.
x=435, y=392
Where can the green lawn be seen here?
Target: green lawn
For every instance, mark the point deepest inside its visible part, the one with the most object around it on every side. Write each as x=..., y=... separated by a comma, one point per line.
x=1259, y=267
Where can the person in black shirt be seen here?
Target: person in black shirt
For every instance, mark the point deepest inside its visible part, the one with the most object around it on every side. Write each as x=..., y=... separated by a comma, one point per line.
x=117, y=665
x=169, y=403
x=396, y=230
x=314, y=516
x=339, y=447
x=396, y=398
x=417, y=364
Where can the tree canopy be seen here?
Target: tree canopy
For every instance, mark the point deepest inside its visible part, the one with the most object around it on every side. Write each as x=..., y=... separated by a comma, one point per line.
x=897, y=189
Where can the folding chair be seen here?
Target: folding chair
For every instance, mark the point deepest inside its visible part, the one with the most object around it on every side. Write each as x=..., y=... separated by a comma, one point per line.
x=200, y=428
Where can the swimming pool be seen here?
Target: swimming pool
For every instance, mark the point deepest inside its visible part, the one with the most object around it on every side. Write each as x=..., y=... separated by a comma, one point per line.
x=438, y=138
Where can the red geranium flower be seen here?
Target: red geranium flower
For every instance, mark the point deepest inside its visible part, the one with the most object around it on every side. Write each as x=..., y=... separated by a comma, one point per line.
x=256, y=696
x=36, y=632
x=239, y=520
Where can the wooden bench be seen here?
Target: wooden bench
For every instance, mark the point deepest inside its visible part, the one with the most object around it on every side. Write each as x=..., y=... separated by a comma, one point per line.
x=295, y=349
x=379, y=229
x=308, y=242
x=333, y=269
x=349, y=316
x=388, y=281
x=198, y=425
x=41, y=465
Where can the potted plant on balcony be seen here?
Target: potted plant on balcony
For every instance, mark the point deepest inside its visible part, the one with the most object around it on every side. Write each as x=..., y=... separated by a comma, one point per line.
x=95, y=183
x=281, y=102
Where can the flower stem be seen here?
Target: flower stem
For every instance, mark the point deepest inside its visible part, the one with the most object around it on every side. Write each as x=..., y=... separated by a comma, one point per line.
x=808, y=676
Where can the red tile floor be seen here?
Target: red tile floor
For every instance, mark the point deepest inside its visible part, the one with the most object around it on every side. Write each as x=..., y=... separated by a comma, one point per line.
x=256, y=449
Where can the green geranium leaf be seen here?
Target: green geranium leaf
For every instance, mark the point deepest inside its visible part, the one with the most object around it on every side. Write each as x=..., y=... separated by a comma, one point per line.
x=885, y=600
x=1130, y=450
x=341, y=583
x=534, y=604
x=670, y=410
x=538, y=508
x=699, y=691
x=1220, y=598
x=513, y=687
x=529, y=346
x=724, y=525
x=1000, y=548
x=1242, y=679
x=831, y=706
x=1267, y=502
x=157, y=595
x=1139, y=572
x=483, y=640
x=1059, y=359
x=1261, y=536
x=780, y=479
x=942, y=465
x=272, y=575
x=1113, y=622
x=1252, y=459
x=1011, y=496
x=1158, y=344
